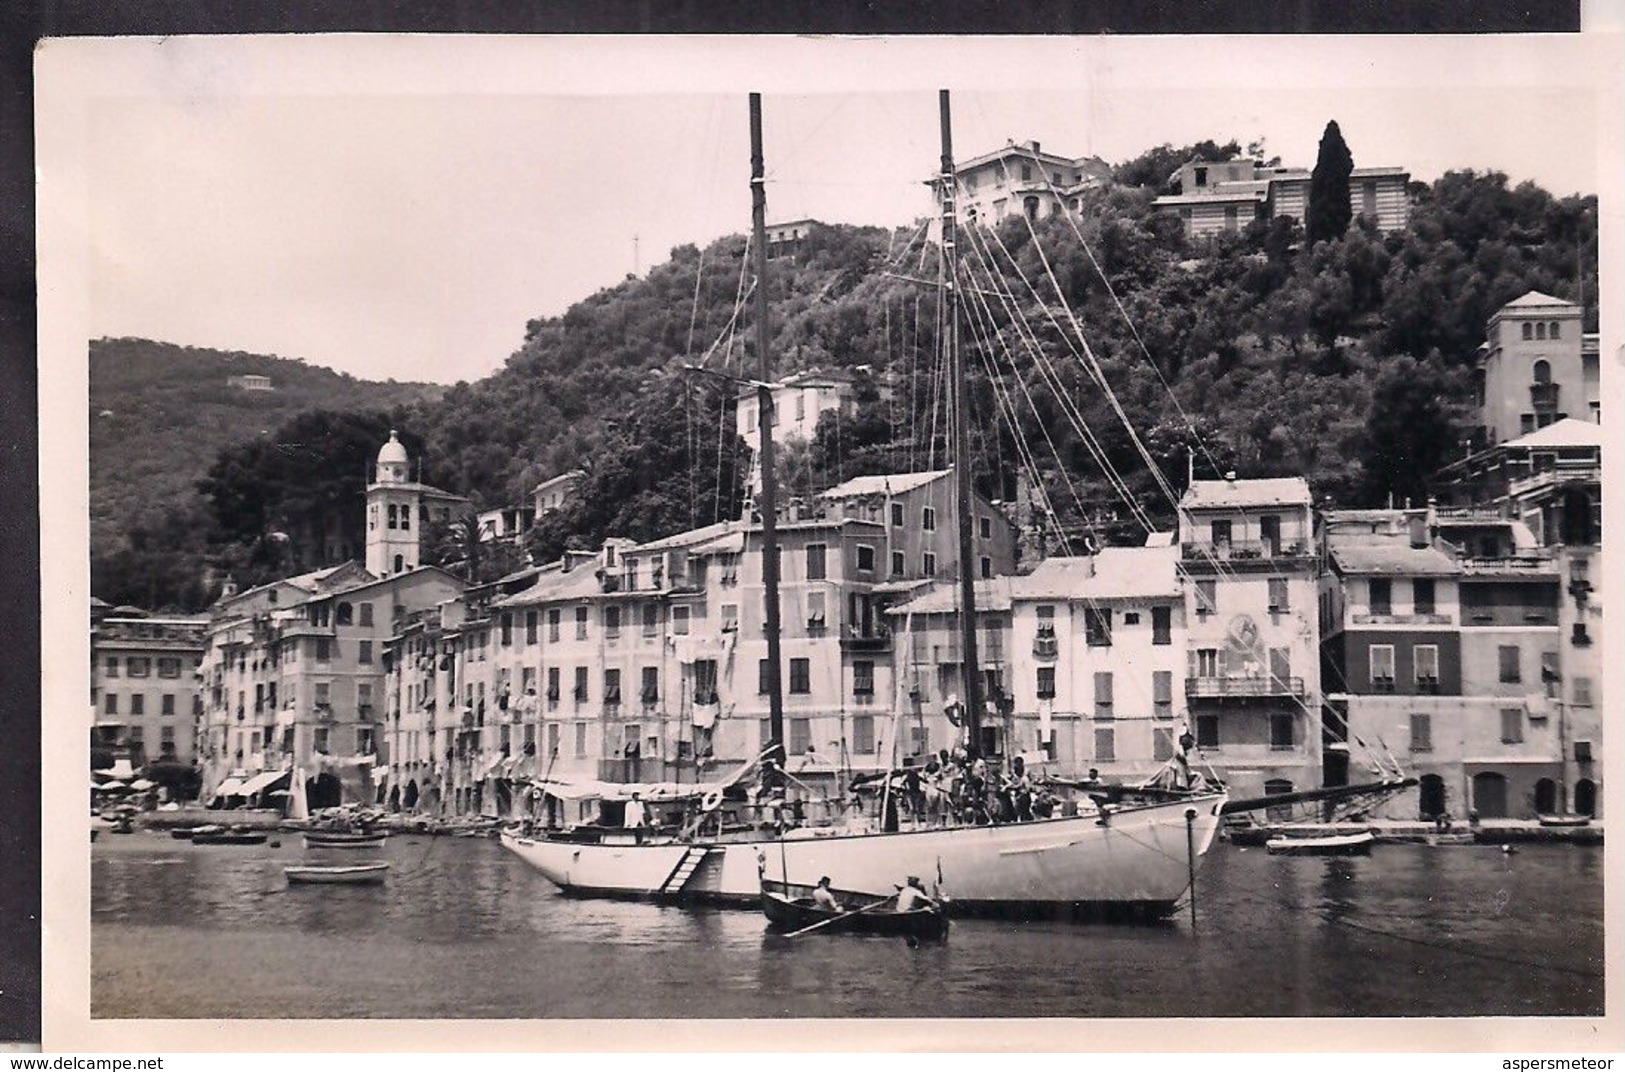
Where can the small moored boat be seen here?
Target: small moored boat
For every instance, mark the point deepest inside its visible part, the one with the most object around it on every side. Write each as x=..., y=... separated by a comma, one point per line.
x=229, y=837
x=344, y=839
x=790, y=907
x=356, y=875
x=1327, y=845
x=1564, y=821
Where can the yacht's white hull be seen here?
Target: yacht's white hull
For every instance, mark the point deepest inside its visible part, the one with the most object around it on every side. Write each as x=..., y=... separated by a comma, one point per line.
x=1139, y=857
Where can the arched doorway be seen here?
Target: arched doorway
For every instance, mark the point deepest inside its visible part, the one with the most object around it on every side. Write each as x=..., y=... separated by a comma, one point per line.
x=1430, y=794
x=1585, y=797
x=1490, y=795
x=1545, y=797
x=409, y=799
x=323, y=791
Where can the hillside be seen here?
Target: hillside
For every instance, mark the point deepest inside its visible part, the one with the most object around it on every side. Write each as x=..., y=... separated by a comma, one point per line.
x=160, y=413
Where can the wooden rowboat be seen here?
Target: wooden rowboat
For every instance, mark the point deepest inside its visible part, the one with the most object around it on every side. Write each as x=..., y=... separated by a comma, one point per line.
x=229, y=837
x=357, y=875
x=1564, y=821
x=344, y=839
x=1329, y=845
x=790, y=907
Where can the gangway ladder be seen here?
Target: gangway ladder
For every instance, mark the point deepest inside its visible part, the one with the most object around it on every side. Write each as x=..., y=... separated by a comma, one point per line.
x=680, y=875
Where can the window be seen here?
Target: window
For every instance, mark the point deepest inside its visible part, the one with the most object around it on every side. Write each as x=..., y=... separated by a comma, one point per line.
x=1526, y=423
x=365, y=610
x=363, y=740
x=863, y=734
x=986, y=526
x=612, y=686
x=1421, y=733
x=800, y=675
x=1540, y=331
x=1207, y=731
x=406, y=516
x=897, y=515
x=1162, y=625
x=581, y=740
x=1207, y=662
x=1280, y=732
x=344, y=615
x=1582, y=692
x=863, y=678
x=1382, y=595
x=506, y=629
x=1528, y=331
x=800, y=736
x=1426, y=657
x=324, y=650
x=530, y=627
x=898, y=564
x=1269, y=533
x=552, y=685
x=553, y=738
x=580, y=691
x=728, y=616
x=762, y=671
x=1278, y=596
x=553, y=624
x=1103, y=694
x=1207, y=597
x=1162, y=694
x=112, y=666
x=166, y=704
x=581, y=623
x=169, y=667
x=138, y=704
x=138, y=666
x=166, y=740
x=1097, y=626
x=1511, y=669
x=1221, y=533
x=679, y=621
x=1511, y=725
x=1557, y=330
x=1550, y=676
x=394, y=514
x=1046, y=682
x=1382, y=667
x=866, y=558
x=929, y=564
x=987, y=568
x=1105, y=744
x=928, y=519
x=319, y=740
x=1422, y=595
x=650, y=692
x=612, y=623
x=1162, y=744
x=815, y=562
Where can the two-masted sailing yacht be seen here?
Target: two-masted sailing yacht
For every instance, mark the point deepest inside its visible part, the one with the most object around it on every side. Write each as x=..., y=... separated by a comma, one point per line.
x=1137, y=855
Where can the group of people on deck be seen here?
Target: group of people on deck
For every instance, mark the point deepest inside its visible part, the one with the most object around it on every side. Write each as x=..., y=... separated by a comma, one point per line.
x=954, y=786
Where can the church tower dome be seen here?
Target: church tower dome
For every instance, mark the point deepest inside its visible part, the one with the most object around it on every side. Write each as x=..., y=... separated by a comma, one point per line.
x=393, y=463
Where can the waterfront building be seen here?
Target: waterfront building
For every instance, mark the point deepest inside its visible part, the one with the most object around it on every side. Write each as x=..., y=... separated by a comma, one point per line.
x=928, y=652
x=1252, y=682
x=1023, y=179
x=1101, y=643
x=554, y=492
x=399, y=509
x=143, y=686
x=1220, y=196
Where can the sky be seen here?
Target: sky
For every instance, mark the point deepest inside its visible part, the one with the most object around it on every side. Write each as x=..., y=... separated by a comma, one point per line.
x=400, y=208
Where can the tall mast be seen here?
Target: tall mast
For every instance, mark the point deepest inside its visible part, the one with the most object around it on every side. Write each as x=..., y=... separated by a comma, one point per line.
x=767, y=503
x=972, y=665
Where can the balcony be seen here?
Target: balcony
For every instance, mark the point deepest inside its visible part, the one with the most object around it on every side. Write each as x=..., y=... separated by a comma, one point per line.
x=875, y=642
x=1045, y=647
x=1543, y=395
x=1242, y=554
x=1523, y=565
x=1402, y=619
x=1567, y=471
x=1242, y=687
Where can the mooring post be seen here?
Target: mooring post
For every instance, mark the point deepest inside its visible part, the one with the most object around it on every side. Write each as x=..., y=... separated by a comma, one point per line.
x=1190, y=858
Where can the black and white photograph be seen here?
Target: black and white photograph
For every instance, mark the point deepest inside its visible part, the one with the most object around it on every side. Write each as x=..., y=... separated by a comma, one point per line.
x=588, y=534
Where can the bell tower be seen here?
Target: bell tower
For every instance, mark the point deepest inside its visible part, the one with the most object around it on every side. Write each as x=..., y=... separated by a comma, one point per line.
x=393, y=517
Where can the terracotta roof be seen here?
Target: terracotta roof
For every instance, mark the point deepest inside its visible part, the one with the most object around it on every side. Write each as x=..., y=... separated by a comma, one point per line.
x=1568, y=432
x=884, y=484
x=1277, y=491
x=1368, y=554
x=1535, y=299
x=943, y=598
x=1112, y=573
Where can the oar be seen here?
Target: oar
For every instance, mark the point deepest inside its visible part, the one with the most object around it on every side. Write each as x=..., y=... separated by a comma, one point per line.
x=832, y=919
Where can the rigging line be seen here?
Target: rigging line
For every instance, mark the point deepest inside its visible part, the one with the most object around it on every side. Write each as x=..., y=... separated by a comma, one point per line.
x=1135, y=331
x=1033, y=464
x=1053, y=380
x=694, y=309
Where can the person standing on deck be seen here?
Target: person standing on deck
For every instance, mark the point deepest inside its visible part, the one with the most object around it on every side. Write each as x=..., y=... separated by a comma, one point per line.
x=636, y=816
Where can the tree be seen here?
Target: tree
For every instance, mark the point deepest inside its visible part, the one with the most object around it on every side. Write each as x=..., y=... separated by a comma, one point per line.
x=1329, y=209
x=1410, y=429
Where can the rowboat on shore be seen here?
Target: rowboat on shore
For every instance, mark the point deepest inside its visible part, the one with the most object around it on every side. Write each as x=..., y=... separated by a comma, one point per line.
x=1564, y=821
x=356, y=875
x=229, y=837
x=790, y=907
x=344, y=839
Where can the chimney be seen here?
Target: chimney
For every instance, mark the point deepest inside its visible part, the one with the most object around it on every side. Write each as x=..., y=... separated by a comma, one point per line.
x=1036, y=149
x=1433, y=519
x=1419, y=530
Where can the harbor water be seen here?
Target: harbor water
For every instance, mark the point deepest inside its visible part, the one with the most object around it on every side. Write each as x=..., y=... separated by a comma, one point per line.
x=464, y=929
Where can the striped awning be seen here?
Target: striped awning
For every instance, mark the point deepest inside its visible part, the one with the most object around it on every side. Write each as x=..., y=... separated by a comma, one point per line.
x=231, y=787
x=261, y=781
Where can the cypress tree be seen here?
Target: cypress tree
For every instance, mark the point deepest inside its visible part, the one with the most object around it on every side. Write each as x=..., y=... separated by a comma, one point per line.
x=1329, y=211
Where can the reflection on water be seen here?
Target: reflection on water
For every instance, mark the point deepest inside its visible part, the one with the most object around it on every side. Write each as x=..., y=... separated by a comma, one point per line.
x=463, y=929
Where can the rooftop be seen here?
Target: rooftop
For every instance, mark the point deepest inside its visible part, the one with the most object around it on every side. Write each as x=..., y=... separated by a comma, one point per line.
x=1112, y=573
x=883, y=484
x=1275, y=491
x=1568, y=432
x=1536, y=300
x=1385, y=555
x=991, y=594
